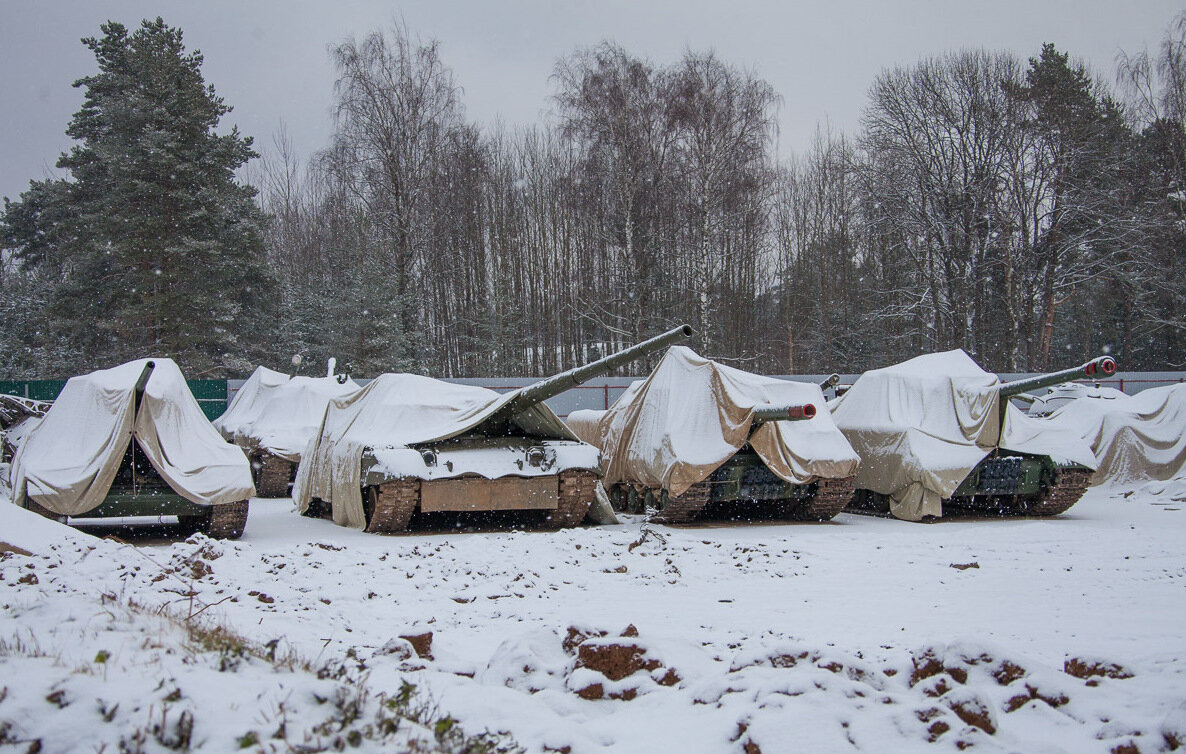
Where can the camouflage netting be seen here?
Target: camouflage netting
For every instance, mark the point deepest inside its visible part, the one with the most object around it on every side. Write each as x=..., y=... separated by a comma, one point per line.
x=68, y=462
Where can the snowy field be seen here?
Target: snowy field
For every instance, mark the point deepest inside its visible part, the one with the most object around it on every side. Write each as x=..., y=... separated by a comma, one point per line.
x=861, y=634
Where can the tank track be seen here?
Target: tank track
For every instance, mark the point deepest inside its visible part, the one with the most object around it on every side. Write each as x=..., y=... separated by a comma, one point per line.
x=1066, y=490
x=869, y=503
x=274, y=475
x=577, y=489
x=390, y=505
x=684, y=509
x=226, y=521
x=831, y=496
x=1069, y=486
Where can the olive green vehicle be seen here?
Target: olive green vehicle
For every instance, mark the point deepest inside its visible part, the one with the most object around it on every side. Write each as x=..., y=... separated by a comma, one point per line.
x=1013, y=483
x=743, y=487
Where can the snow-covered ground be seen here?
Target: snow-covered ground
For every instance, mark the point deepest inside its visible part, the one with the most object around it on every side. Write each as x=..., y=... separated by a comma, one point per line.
x=862, y=634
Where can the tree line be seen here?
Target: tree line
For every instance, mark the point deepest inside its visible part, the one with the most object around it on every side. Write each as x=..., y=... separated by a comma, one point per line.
x=1025, y=211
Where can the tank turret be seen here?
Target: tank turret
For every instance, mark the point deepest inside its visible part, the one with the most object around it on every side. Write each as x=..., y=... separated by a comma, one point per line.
x=774, y=413
x=1104, y=365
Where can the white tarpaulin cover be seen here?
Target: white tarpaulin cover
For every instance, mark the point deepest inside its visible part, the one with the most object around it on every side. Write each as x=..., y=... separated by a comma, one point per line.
x=691, y=415
x=921, y=426
x=1136, y=438
x=1060, y=395
x=280, y=414
x=392, y=412
x=68, y=462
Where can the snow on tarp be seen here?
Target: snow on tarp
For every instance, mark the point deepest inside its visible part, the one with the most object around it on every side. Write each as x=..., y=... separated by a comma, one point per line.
x=1138, y=438
x=280, y=414
x=691, y=415
x=1061, y=395
x=68, y=462
x=394, y=411
x=921, y=426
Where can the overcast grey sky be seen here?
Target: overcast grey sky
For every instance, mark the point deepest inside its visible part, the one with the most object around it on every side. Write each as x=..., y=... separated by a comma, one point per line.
x=268, y=58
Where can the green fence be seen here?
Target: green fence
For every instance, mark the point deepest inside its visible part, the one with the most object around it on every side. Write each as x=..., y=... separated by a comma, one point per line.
x=211, y=394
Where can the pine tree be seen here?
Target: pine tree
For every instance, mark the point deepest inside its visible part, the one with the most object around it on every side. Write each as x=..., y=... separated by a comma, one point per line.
x=158, y=248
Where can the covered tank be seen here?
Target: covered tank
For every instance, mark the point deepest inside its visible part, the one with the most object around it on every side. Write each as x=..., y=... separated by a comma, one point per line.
x=1136, y=439
x=132, y=441
x=698, y=439
x=273, y=417
x=406, y=444
x=937, y=432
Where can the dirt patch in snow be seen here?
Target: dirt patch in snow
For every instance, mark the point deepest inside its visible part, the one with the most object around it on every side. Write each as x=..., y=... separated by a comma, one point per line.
x=421, y=643
x=1085, y=669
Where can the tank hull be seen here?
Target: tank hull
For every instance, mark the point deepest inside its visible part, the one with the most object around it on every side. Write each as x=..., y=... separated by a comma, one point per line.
x=551, y=485
x=555, y=500
x=1003, y=484
x=742, y=488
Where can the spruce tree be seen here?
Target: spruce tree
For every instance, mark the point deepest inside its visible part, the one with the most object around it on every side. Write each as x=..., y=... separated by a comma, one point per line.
x=158, y=249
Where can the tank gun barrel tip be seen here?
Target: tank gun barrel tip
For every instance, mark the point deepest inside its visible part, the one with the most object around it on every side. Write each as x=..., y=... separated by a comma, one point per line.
x=806, y=411
x=775, y=413
x=1104, y=364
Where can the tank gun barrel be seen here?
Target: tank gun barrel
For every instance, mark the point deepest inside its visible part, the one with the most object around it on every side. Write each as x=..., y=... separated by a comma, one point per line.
x=557, y=384
x=832, y=381
x=141, y=384
x=773, y=412
x=1104, y=365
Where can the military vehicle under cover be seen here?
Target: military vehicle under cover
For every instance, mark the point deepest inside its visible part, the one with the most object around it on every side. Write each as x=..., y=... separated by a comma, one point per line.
x=408, y=444
x=273, y=417
x=701, y=439
x=132, y=441
x=1136, y=439
x=937, y=432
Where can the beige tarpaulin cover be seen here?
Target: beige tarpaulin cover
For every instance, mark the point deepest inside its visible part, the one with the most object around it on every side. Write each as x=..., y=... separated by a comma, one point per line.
x=1135, y=439
x=280, y=414
x=586, y=424
x=691, y=414
x=921, y=426
x=393, y=411
x=67, y=464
